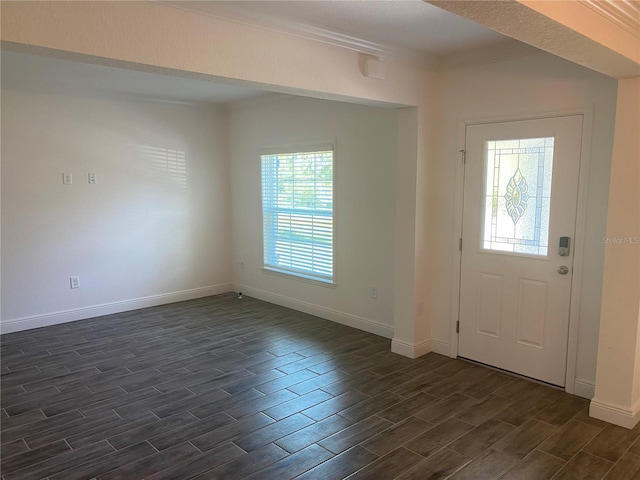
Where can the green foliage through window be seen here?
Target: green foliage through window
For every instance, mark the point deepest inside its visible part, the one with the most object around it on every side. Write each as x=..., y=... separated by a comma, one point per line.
x=297, y=208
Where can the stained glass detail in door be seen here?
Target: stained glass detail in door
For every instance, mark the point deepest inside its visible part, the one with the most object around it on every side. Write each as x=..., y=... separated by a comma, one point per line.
x=518, y=195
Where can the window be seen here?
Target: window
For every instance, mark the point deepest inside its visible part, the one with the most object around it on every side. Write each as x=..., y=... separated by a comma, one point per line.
x=297, y=212
x=518, y=195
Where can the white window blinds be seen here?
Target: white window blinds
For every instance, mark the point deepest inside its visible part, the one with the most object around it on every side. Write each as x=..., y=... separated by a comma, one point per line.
x=297, y=209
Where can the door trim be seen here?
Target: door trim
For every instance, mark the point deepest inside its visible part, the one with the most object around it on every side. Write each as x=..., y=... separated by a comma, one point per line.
x=572, y=384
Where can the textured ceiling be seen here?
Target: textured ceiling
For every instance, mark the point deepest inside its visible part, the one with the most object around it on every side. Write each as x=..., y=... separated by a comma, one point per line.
x=602, y=36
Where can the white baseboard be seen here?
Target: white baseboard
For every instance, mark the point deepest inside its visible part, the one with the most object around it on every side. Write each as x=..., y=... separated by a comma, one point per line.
x=348, y=319
x=417, y=350
x=409, y=349
x=584, y=389
x=618, y=415
x=54, y=318
x=443, y=348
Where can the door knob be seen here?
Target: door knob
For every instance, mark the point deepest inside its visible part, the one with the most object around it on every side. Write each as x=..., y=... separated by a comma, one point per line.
x=563, y=270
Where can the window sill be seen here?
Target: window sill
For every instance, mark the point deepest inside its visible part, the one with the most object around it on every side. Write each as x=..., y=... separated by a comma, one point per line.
x=299, y=277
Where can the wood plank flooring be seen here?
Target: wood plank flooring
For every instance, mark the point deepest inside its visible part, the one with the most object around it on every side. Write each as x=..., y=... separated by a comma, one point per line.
x=223, y=388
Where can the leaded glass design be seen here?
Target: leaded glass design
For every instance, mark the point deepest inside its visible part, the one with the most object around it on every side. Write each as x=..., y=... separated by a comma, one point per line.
x=518, y=195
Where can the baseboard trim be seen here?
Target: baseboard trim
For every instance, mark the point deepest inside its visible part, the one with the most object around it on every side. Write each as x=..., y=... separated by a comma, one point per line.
x=343, y=318
x=616, y=414
x=584, y=389
x=410, y=350
x=54, y=318
x=443, y=348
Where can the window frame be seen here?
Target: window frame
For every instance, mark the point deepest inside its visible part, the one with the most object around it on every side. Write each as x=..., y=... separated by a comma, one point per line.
x=284, y=271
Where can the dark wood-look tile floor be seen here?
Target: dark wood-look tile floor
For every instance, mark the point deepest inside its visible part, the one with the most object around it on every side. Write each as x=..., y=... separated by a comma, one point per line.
x=227, y=388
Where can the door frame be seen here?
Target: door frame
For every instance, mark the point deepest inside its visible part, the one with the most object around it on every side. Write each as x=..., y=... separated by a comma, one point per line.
x=572, y=386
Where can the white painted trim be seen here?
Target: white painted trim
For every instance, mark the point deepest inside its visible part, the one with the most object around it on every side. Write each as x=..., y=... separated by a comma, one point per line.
x=509, y=116
x=572, y=385
x=443, y=348
x=410, y=350
x=457, y=234
x=621, y=14
x=54, y=318
x=348, y=319
x=229, y=12
x=578, y=253
x=583, y=388
x=483, y=55
x=627, y=417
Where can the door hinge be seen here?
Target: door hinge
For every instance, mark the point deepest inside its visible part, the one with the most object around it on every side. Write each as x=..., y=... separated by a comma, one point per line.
x=463, y=153
x=458, y=326
x=460, y=244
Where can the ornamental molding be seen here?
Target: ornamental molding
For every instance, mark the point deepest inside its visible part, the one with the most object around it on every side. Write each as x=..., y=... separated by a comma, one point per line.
x=623, y=13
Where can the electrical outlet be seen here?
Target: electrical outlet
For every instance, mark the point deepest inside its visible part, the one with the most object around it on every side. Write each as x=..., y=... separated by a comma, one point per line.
x=67, y=179
x=241, y=263
x=74, y=282
x=93, y=179
x=373, y=292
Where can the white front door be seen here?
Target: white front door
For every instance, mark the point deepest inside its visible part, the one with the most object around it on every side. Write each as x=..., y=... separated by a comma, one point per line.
x=520, y=198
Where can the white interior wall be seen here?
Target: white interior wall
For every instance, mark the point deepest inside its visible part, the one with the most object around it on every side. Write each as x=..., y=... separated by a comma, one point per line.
x=151, y=36
x=523, y=86
x=365, y=158
x=58, y=133
x=617, y=397
x=143, y=234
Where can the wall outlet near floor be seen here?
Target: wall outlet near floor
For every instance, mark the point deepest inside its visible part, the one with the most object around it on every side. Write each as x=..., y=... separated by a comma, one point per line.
x=373, y=292
x=67, y=179
x=241, y=263
x=93, y=178
x=74, y=282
